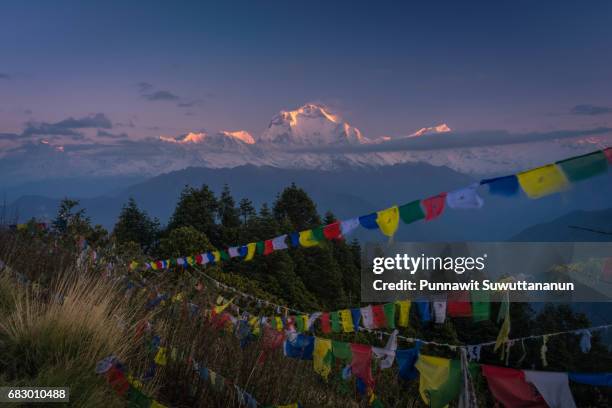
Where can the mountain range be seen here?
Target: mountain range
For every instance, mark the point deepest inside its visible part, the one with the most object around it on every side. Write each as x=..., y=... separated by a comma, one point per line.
x=309, y=137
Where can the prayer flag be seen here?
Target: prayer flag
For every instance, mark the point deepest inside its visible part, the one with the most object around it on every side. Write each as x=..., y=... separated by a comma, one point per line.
x=404, y=312
x=325, y=326
x=317, y=234
x=279, y=242
x=387, y=354
x=301, y=347
x=439, y=309
x=347, y=320
x=250, y=251
x=260, y=247
x=434, y=206
x=233, y=252
x=459, y=304
x=356, y=317
x=481, y=307
x=424, y=312
x=368, y=221
x=268, y=247
x=332, y=231
x=509, y=387
x=368, y=317
x=378, y=315
x=307, y=239
x=503, y=186
x=411, y=212
x=389, y=310
x=361, y=364
x=322, y=356
x=582, y=167
x=405, y=360
x=553, y=387
x=598, y=379
x=464, y=198
x=342, y=350
x=348, y=226
x=388, y=220
x=161, y=356
x=542, y=181
x=294, y=237
x=335, y=322
x=440, y=380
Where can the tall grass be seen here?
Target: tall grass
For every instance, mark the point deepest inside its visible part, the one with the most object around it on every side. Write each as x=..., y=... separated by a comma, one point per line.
x=56, y=340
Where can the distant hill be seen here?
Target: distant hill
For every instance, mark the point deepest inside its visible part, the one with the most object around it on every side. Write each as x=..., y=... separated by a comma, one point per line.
x=348, y=192
x=564, y=229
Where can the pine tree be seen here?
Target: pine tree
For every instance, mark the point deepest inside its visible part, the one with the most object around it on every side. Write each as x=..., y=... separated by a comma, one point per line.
x=247, y=211
x=135, y=225
x=197, y=208
x=229, y=217
x=296, y=206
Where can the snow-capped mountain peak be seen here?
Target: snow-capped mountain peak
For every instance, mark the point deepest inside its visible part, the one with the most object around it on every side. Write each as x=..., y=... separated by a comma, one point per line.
x=310, y=125
x=191, y=137
x=241, y=135
x=442, y=128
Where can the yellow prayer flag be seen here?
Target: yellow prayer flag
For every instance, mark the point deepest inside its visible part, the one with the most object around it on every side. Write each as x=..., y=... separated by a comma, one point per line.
x=178, y=297
x=160, y=357
x=153, y=265
x=347, y=320
x=190, y=260
x=388, y=220
x=404, y=312
x=155, y=404
x=217, y=256
x=504, y=333
x=254, y=323
x=279, y=323
x=133, y=265
x=542, y=181
x=307, y=239
x=305, y=320
x=322, y=356
x=250, y=251
x=221, y=308
x=433, y=372
x=134, y=382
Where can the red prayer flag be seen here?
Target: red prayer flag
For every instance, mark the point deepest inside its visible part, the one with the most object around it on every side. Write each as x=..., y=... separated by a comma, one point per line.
x=509, y=387
x=332, y=231
x=271, y=340
x=608, y=153
x=159, y=265
x=378, y=316
x=117, y=380
x=361, y=365
x=459, y=304
x=268, y=247
x=434, y=206
x=325, y=325
x=198, y=259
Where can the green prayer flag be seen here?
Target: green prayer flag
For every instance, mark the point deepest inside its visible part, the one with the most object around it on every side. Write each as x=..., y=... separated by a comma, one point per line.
x=481, y=306
x=137, y=399
x=585, y=166
x=342, y=350
x=389, y=309
x=260, y=248
x=317, y=234
x=224, y=255
x=335, y=322
x=299, y=323
x=411, y=212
